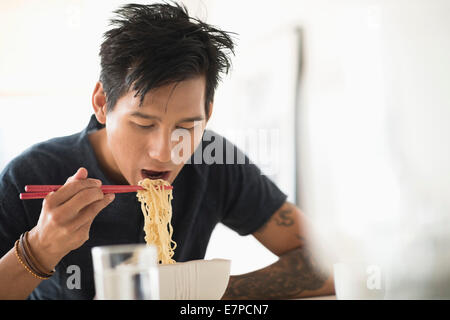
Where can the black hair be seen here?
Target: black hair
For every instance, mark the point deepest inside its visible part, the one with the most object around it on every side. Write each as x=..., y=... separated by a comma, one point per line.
x=154, y=45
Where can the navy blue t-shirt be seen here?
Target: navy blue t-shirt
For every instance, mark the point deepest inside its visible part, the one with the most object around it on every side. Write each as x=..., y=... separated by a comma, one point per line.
x=204, y=194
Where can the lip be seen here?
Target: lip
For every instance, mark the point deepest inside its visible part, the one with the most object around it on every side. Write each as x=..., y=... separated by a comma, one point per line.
x=164, y=174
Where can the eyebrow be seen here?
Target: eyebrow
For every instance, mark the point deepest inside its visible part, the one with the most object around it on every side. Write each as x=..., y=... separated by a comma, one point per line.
x=144, y=116
x=151, y=117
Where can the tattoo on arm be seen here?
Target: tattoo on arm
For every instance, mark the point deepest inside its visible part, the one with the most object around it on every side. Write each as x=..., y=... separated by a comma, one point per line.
x=295, y=272
x=282, y=218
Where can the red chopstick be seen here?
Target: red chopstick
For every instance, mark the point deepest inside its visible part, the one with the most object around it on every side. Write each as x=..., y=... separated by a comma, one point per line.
x=41, y=191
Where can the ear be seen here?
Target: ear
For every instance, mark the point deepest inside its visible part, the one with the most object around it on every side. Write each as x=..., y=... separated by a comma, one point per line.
x=208, y=116
x=99, y=103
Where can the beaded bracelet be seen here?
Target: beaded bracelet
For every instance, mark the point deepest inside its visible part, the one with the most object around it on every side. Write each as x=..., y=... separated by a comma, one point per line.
x=26, y=259
x=32, y=261
x=16, y=247
x=29, y=260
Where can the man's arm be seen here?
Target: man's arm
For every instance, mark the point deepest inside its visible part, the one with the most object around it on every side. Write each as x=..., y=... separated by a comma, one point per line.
x=296, y=274
x=63, y=226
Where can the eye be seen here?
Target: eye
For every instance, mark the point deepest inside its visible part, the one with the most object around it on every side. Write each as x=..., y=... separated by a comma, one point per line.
x=144, y=127
x=188, y=125
x=186, y=128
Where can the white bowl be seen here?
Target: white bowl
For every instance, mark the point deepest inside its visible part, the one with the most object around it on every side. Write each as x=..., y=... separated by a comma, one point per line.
x=194, y=280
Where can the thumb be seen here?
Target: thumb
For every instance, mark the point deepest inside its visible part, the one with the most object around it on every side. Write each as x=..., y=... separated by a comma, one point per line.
x=79, y=175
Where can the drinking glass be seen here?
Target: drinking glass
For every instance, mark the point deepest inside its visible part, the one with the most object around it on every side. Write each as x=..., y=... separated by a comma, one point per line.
x=126, y=272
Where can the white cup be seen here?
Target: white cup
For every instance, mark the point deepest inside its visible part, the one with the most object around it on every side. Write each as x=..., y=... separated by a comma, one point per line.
x=126, y=272
x=359, y=281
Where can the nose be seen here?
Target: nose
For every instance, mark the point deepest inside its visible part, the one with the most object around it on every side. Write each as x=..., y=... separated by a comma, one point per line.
x=160, y=146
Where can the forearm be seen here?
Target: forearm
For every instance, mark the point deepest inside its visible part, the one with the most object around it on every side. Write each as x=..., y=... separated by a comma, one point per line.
x=16, y=283
x=296, y=274
x=22, y=270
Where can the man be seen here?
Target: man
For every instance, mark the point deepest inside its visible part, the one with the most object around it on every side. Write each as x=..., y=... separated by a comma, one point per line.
x=159, y=71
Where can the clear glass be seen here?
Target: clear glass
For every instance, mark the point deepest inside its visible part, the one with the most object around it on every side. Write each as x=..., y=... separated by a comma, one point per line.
x=126, y=272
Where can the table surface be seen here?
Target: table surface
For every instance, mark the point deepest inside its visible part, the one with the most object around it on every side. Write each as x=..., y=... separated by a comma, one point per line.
x=333, y=297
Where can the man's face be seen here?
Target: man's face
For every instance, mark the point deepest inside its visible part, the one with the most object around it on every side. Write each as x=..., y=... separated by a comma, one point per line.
x=141, y=139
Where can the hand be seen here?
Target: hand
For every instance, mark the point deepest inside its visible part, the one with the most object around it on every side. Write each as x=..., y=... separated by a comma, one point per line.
x=66, y=218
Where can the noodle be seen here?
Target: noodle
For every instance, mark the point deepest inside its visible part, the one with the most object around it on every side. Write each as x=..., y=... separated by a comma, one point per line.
x=157, y=209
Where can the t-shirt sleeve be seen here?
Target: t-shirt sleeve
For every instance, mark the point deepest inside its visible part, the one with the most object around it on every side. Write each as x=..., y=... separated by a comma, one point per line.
x=13, y=219
x=250, y=198
x=16, y=215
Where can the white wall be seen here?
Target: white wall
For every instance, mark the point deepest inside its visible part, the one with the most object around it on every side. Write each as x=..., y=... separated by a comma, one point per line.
x=375, y=137
x=48, y=68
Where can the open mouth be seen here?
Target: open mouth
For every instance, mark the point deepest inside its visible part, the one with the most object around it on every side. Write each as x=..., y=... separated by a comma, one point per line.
x=153, y=175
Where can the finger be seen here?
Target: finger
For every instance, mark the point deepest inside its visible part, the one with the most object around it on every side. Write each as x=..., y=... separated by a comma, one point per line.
x=79, y=175
x=70, y=189
x=88, y=214
x=85, y=228
x=81, y=200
